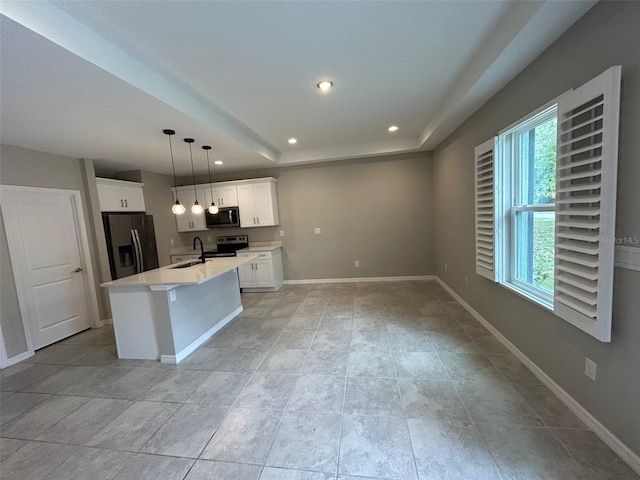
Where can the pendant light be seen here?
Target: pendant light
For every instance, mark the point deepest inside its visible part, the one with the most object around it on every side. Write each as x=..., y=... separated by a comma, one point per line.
x=196, y=208
x=177, y=208
x=213, y=208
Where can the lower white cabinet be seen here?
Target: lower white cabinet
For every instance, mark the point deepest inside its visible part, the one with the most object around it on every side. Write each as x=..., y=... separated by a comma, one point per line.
x=262, y=274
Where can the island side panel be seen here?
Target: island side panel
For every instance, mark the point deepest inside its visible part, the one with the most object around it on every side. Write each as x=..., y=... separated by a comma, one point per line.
x=135, y=322
x=201, y=310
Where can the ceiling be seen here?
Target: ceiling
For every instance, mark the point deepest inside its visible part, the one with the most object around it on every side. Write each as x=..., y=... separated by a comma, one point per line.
x=102, y=79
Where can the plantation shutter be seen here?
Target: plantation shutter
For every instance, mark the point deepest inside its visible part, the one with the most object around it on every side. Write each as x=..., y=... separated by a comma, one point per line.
x=485, y=190
x=586, y=169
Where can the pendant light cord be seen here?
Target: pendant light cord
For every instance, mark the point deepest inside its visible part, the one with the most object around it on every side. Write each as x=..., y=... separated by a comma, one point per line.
x=193, y=175
x=209, y=168
x=175, y=182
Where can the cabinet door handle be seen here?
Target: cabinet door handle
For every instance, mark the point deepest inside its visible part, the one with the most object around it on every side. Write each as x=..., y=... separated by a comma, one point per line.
x=258, y=219
x=121, y=203
x=125, y=203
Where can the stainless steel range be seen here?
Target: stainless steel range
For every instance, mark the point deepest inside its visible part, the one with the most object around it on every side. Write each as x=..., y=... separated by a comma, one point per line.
x=228, y=246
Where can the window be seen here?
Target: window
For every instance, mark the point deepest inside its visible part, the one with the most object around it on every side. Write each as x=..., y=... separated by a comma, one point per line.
x=545, y=204
x=528, y=160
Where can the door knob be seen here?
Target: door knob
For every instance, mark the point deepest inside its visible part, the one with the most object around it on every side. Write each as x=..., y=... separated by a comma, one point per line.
x=77, y=270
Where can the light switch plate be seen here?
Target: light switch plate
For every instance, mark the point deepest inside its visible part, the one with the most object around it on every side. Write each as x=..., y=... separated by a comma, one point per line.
x=590, y=368
x=172, y=295
x=316, y=231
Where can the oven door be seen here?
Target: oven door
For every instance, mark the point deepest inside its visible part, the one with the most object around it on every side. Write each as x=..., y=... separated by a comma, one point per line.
x=226, y=217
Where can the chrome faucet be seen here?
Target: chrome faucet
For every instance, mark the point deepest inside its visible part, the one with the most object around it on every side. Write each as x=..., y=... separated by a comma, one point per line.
x=201, y=248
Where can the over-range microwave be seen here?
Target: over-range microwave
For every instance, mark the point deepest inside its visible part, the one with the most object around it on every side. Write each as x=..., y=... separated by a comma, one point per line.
x=225, y=218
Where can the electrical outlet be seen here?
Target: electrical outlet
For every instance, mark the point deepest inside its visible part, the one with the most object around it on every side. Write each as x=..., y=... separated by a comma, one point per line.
x=208, y=238
x=172, y=295
x=446, y=267
x=590, y=368
x=316, y=231
x=357, y=263
x=282, y=233
x=171, y=242
x=466, y=281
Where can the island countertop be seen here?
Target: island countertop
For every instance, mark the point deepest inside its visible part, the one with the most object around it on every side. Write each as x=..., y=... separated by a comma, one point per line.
x=169, y=276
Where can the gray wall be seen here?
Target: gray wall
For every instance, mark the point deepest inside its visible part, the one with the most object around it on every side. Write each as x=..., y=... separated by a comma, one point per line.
x=605, y=36
x=19, y=166
x=375, y=210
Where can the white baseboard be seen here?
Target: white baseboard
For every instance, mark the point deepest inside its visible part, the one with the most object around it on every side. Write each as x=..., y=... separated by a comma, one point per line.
x=359, y=280
x=177, y=358
x=102, y=323
x=613, y=442
x=18, y=358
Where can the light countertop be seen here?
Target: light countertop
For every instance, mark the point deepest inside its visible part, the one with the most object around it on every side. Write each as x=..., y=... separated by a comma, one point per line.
x=169, y=277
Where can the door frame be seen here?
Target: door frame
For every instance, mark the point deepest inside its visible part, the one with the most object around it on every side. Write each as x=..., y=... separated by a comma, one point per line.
x=19, y=268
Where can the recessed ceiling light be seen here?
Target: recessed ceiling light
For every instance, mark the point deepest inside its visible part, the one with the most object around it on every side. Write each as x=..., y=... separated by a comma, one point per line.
x=325, y=85
x=293, y=141
x=218, y=162
x=393, y=128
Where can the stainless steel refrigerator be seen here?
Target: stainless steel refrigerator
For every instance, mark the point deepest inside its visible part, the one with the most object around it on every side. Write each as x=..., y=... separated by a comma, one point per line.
x=131, y=242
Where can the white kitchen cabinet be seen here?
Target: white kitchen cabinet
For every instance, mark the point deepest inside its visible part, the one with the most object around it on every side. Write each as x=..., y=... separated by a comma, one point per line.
x=262, y=274
x=188, y=221
x=223, y=196
x=120, y=196
x=258, y=203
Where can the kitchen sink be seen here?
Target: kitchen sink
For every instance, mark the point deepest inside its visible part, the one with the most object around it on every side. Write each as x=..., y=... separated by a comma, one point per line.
x=189, y=264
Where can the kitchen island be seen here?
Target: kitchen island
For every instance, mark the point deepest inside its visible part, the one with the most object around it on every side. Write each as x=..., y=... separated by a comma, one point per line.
x=167, y=313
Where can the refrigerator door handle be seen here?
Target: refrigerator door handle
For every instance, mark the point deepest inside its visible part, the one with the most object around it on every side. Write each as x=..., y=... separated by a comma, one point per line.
x=134, y=236
x=140, y=255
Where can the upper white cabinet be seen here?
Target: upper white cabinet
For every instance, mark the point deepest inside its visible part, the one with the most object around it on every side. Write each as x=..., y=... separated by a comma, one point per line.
x=120, y=196
x=258, y=203
x=223, y=196
x=188, y=221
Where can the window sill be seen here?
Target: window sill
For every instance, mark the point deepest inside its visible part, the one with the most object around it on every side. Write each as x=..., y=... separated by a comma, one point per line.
x=527, y=296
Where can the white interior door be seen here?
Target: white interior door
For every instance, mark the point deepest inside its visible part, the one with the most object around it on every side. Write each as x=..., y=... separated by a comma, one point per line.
x=45, y=244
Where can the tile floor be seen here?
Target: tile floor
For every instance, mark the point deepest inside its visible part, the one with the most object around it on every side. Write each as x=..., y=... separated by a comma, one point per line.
x=344, y=381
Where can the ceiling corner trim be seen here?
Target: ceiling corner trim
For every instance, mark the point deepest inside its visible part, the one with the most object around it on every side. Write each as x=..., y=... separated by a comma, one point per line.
x=486, y=54
x=50, y=22
x=346, y=152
